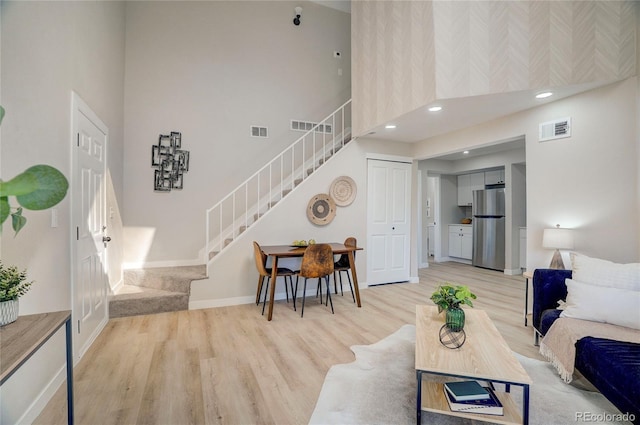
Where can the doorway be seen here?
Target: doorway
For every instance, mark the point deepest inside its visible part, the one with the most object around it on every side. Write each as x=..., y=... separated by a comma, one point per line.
x=90, y=310
x=388, y=221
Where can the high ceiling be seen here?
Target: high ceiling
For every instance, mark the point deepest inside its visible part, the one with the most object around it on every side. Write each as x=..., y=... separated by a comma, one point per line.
x=459, y=113
x=465, y=112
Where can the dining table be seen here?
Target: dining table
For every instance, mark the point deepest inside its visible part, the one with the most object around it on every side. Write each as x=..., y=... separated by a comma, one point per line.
x=289, y=251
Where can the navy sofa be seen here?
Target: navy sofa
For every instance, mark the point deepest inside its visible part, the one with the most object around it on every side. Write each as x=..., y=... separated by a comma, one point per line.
x=613, y=367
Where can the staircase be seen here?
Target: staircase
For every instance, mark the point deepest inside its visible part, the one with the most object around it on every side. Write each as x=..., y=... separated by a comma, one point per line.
x=257, y=195
x=155, y=290
x=164, y=289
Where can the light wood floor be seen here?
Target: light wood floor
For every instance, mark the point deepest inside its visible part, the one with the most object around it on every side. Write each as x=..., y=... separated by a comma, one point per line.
x=230, y=366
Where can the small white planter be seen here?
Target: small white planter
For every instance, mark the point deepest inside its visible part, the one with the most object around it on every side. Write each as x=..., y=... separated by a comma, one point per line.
x=8, y=312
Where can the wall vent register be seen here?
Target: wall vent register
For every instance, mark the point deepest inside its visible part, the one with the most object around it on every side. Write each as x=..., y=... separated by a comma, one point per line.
x=556, y=129
x=257, y=131
x=308, y=126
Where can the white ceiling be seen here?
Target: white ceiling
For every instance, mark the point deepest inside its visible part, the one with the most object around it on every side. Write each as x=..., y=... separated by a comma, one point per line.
x=465, y=112
x=342, y=5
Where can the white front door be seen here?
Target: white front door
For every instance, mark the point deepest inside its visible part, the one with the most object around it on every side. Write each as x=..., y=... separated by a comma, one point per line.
x=388, y=221
x=89, y=260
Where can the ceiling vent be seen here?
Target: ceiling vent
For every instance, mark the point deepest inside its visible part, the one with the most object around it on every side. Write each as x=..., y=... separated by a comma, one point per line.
x=556, y=129
x=257, y=131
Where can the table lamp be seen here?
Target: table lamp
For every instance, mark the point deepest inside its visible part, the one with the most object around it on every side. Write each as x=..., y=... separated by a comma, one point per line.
x=557, y=239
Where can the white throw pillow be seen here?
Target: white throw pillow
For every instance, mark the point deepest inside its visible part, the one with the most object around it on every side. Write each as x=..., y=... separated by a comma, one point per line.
x=595, y=271
x=602, y=304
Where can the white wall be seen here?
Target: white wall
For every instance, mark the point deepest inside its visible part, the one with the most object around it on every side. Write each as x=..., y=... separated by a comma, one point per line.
x=588, y=181
x=48, y=50
x=211, y=70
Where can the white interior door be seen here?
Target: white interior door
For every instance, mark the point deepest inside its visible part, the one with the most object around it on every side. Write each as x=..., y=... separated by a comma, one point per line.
x=388, y=221
x=89, y=259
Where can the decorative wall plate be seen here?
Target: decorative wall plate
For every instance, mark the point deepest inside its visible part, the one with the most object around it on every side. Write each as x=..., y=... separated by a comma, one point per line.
x=343, y=191
x=321, y=209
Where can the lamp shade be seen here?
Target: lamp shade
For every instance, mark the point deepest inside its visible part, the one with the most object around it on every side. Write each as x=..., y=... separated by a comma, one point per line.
x=557, y=238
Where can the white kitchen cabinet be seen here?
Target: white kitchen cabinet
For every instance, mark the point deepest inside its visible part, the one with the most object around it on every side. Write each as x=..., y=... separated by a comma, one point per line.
x=494, y=177
x=460, y=241
x=467, y=183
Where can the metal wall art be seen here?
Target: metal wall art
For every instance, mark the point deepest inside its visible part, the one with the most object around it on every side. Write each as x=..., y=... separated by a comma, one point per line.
x=171, y=162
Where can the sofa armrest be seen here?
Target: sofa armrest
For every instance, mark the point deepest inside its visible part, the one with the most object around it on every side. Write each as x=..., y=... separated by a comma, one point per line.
x=548, y=289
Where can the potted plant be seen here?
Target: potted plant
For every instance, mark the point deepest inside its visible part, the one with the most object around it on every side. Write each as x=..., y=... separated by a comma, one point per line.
x=449, y=298
x=13, y=284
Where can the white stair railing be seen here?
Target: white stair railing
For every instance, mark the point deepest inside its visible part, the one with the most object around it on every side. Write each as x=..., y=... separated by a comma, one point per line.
x=253, y=198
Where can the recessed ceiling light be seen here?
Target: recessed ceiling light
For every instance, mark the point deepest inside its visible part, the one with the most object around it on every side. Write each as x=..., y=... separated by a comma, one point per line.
x=435, y=108
x=466, y=152
x=390, y=126
x=543, y=95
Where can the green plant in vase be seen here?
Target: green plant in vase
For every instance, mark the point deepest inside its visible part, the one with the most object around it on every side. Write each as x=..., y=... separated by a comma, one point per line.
x=13, y=285
x=449, y=297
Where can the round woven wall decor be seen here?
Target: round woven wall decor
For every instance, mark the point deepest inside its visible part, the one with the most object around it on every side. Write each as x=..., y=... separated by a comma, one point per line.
x=343, y=191
x=321, y=209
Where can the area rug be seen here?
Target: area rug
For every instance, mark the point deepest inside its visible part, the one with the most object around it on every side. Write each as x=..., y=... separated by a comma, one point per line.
x=379, y=387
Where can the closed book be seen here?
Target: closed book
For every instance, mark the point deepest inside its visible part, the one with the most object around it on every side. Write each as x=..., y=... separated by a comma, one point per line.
x=490, y=406
x=466, y=390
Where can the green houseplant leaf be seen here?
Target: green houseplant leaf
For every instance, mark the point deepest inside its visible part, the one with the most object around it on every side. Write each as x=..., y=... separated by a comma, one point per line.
x=448, y=296
x=21, y=184
x=52, y=188
x=5, y=208
x=18, y=221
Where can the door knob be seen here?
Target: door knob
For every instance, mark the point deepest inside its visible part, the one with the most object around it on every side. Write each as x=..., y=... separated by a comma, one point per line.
x=106, y=239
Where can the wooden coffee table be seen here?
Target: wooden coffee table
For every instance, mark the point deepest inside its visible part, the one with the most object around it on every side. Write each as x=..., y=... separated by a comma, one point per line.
x=485, y=356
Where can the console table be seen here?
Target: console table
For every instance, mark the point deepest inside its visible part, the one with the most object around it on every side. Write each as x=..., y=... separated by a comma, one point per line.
x=21, y=339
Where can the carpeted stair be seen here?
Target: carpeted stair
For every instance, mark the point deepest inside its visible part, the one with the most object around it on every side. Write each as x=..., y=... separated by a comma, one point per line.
x=155, y=290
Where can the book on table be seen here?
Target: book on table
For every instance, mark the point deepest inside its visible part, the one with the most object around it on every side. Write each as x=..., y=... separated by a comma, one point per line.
x=490, y=406
x=466, y=390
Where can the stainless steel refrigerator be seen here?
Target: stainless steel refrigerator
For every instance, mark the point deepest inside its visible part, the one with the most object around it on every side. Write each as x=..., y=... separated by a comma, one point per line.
x=488, y=229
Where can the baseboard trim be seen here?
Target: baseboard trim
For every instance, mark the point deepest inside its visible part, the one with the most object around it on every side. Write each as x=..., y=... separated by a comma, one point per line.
x=157, y=264
x=248, y=299
x=119, y=284
x=45, y=396
x=513, y=272
x=92, y=338
x=222, y=302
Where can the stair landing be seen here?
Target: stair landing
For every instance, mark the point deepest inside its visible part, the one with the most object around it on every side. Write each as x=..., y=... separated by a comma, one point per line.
x=154, y=290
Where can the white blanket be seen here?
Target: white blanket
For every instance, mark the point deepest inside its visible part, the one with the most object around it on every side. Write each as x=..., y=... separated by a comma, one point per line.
x=559, y=344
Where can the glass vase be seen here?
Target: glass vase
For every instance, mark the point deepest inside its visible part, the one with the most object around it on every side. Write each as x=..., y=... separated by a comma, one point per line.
x=455, y=319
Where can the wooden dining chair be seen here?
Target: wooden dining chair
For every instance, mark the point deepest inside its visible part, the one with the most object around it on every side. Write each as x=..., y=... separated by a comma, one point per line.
x=342, y=265
x=264, y=271
x=317, y=262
